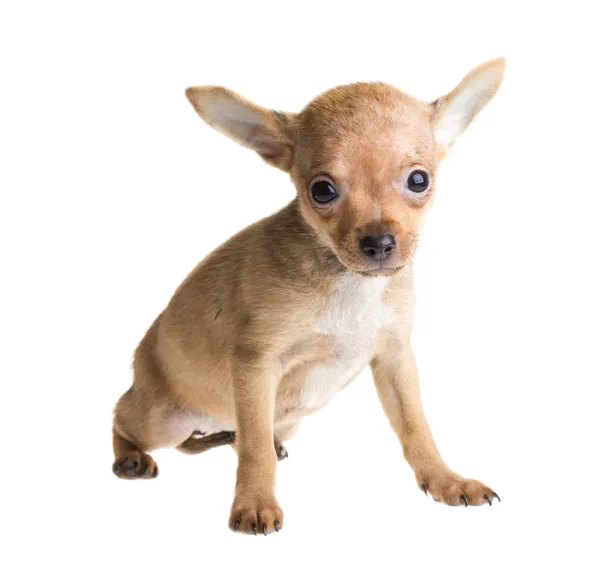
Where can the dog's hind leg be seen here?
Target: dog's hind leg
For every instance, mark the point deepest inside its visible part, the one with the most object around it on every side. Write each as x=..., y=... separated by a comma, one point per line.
x=142, y=424
x=130, y=461
x=194, y=445
x=147, y=417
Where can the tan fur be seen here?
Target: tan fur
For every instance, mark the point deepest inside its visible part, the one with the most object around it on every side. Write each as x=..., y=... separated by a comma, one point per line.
x=279, y=318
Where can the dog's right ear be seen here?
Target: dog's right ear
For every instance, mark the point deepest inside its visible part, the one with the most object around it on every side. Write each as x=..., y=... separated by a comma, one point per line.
x=267, y=132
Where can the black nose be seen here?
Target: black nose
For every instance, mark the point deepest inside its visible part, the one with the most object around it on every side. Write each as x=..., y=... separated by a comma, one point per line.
x=378, y=247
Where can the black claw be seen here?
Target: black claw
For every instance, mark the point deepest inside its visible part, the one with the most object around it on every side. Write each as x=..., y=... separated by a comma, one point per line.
x=424, y=489
x=265, y=529
x=236, y=524
x=277, y=525
x=146, y=472
x=464, y=499
x=255, y=529
x=488, y=499
x=135, y=464
x=498, y=497
x=155, y=473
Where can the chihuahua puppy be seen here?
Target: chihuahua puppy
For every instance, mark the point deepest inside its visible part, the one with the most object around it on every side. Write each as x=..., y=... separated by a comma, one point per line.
x=276, y=321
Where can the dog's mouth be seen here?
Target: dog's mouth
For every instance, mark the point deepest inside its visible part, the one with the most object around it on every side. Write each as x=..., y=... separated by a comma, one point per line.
x=370, y=269
x=380, y=271
x=346, y=261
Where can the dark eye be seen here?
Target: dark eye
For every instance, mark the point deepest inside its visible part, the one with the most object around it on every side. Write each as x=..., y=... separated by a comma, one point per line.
x=323, y=192
x=418, y=181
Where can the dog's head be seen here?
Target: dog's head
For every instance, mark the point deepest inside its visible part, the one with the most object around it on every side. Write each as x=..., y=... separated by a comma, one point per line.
x=363, y=158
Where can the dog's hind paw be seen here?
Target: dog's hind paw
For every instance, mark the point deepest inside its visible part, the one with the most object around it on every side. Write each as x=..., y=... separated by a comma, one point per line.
x=281, y=451
x=135, y=465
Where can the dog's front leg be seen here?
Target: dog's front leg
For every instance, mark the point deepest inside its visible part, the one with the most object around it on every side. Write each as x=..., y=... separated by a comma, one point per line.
x=255, y=508
x=397, y=382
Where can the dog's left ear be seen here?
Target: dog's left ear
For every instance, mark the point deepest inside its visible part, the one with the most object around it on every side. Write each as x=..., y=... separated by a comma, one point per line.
x=453, y=113
x=267, y=132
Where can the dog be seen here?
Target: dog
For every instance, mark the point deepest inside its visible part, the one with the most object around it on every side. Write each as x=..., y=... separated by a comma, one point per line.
x=282, y=316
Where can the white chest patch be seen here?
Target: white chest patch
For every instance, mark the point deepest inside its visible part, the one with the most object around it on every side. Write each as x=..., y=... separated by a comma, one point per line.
x=353, y=319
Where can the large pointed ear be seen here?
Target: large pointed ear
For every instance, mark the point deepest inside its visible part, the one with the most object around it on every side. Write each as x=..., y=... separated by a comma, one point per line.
x=453, y=113
x=267, y=132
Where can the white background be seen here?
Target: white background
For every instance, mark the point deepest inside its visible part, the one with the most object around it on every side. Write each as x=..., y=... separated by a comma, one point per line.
x=113, y=189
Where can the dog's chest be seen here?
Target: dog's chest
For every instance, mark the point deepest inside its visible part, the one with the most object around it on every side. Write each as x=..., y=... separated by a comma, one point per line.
x=352, y=320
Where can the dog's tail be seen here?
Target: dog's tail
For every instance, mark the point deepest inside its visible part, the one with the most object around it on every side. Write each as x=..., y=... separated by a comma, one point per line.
x=194, y=445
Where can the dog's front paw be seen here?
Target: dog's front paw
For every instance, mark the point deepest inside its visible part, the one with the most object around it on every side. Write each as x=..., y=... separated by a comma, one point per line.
x=254, y=515
x=454, y=490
